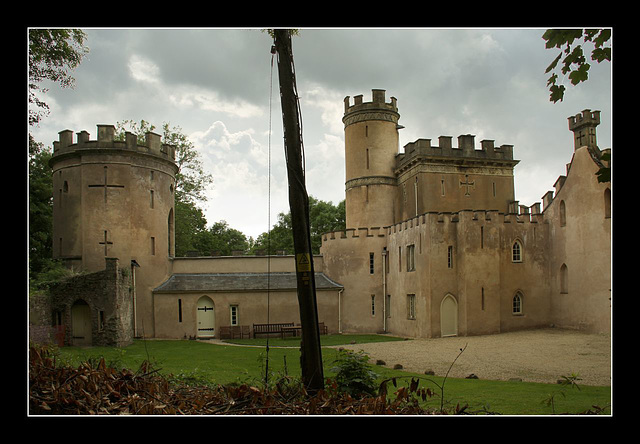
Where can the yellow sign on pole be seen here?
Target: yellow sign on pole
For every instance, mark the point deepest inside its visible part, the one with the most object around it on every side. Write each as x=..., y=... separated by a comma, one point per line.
x=303, y=262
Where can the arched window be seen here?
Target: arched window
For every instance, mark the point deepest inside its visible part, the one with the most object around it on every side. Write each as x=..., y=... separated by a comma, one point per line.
x=607, y=203
x=516, y=251
x=517, y=304
x=563, y=214
x=564, y=279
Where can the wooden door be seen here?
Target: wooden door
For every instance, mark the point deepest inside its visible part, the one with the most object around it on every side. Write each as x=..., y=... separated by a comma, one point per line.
x=81, y=324
x=206, y=318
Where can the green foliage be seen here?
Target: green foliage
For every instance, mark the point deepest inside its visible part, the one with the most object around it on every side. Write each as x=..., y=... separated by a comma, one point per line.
x=52, y=54
x=221, y=238
x=190, y=223
x=323, y=217
x=191, y=179
x=353, y=373
x=219, y=364
x=604, y=173
x=40, y=208
x=574, y=62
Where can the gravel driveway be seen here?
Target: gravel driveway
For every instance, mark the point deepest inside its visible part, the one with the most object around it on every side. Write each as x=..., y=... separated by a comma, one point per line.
x=533, y=356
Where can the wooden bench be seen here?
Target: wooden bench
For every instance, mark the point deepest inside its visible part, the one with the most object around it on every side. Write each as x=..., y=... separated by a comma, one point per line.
x=235, y=332
x=266, y=329
x=297, y=330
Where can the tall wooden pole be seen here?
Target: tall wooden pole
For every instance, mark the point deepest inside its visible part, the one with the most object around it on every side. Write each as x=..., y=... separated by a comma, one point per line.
x=311, y=354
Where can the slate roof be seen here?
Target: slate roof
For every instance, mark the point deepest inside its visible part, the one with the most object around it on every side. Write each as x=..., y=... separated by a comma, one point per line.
x=210, y=282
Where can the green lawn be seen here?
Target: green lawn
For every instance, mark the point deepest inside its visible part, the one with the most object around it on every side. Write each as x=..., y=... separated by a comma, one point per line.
x=226, y=364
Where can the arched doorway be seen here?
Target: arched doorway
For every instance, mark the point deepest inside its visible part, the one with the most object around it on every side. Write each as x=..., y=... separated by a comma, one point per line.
x=449, y=316
x=206, y=318
x=80, y=324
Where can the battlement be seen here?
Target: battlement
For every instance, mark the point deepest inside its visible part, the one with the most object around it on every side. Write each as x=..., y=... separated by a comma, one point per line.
x=518, y=214
x=106, y=140
x=585, y=118
x=377, y=109
x=422, y=148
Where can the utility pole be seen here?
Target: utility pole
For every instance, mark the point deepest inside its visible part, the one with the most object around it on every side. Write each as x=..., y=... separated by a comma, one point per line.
x=311, y=354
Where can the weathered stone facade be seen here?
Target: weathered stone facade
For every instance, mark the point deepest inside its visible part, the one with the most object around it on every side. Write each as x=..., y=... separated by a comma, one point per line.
x=107, y=294
x=436, y=243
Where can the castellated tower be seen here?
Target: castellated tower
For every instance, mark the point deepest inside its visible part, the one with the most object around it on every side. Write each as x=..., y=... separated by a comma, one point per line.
x=115, y=199
x=583, y=125
x=371, y=145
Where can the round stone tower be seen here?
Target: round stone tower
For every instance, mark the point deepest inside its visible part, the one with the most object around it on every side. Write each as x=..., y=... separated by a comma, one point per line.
x=371, y=145
x=115, y=199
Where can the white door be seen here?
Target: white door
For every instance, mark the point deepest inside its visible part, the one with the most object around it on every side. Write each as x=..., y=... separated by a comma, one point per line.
x=81, y=324
x=449, y=316
x=206, y=318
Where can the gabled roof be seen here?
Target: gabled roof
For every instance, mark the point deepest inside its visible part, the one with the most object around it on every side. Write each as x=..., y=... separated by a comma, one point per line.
x=228, y=282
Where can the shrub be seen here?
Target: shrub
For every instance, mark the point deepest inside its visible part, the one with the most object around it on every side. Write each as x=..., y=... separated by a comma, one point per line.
x=353, y=373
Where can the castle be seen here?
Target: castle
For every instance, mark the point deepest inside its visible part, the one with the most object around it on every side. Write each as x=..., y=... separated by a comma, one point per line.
x=436, y=244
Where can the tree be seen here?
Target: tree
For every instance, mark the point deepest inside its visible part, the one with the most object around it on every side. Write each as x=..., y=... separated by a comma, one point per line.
x=222, y=239
x=40, y=208
x=574, y=62
x=191, y=179
x=189, y=224
x=52, y=54
x=323, y=217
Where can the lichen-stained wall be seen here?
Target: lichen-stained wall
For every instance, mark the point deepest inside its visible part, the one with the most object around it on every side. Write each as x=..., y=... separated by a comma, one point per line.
x=355, y=256
x=115, y=199
x=579, y=223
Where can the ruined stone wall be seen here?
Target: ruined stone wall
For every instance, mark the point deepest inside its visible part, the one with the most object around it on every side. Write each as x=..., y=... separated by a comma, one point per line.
x=108, y=294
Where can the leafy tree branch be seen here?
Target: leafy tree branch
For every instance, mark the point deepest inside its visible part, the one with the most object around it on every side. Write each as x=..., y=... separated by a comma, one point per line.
x=572, y=59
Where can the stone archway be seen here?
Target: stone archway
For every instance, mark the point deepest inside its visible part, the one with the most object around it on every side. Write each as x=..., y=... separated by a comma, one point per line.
x=449, y=316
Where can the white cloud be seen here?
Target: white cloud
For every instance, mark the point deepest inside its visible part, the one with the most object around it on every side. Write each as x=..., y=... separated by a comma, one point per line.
x=143, y=69
x=329, y=102
x=208, y=100
x=218, y=136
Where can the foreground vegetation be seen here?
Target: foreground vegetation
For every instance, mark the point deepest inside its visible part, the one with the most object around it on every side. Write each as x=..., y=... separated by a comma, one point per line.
x=201, y=364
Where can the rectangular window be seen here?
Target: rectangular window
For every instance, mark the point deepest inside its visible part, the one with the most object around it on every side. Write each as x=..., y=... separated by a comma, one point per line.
x=100, y=320
x=411, y=265
x=442, y=186
x=494, y=189
x=411, y=306
x=481, y=237
x=450, y=256
x=371, y=263
x=367, y=158
x=234, y=314
x=373, y=305
x=151, y=198
x=179, y=310
x=482, y=302
x=399, y=258
x=153, y=246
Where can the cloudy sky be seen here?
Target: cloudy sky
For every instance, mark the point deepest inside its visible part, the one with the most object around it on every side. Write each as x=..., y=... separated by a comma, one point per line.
x=214, y=84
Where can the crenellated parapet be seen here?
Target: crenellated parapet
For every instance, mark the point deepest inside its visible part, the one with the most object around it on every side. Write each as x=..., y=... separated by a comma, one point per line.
x=521, y=215
x=106, y=140
x=377, y=109
x=465, y=152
